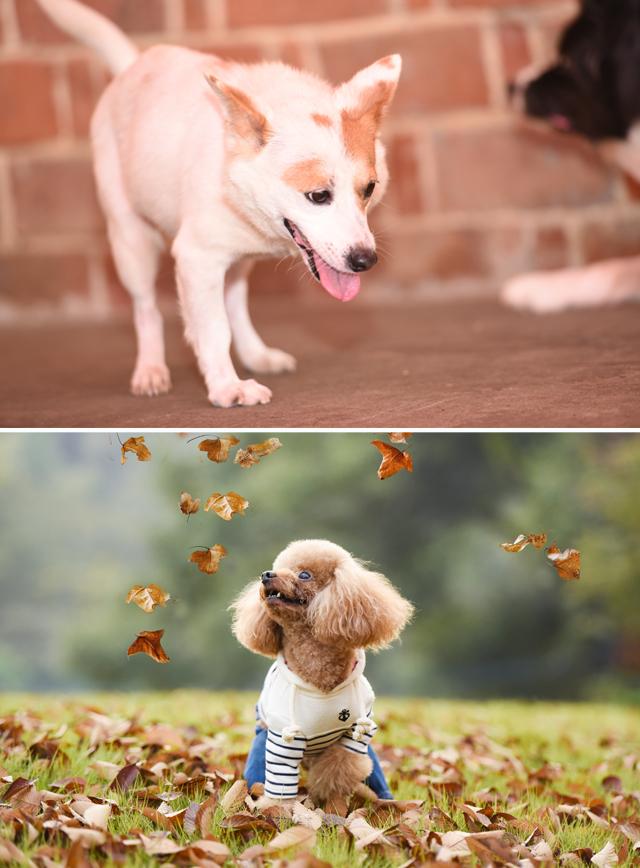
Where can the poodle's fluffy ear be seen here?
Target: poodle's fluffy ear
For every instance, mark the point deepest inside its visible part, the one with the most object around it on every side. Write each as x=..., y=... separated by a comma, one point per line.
x=252, y=626
x=359, y=608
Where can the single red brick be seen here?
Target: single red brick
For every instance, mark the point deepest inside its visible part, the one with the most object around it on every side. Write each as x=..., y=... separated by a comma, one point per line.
x=55, y=195
x=609, y=240
x=515, y=49
x=28, y=278
x=257, y=13
x=551, y=248
x=195, y=14
x=442, y=67
x=404, y=194
x=140, y=16
x=522, y=168
x=26, y=97
x=85, y=85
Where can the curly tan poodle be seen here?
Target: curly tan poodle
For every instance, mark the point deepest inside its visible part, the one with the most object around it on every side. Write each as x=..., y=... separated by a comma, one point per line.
x=316, y=611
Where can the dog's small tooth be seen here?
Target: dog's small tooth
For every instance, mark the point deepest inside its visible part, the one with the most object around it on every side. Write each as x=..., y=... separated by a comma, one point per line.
x=278, y=595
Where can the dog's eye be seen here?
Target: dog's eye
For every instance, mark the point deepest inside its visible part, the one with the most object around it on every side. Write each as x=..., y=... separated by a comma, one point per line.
x=319, y=197
x=368, y=190
x=305, y=576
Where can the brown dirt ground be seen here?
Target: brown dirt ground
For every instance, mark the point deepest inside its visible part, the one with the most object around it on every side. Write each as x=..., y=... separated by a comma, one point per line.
x=462, y=364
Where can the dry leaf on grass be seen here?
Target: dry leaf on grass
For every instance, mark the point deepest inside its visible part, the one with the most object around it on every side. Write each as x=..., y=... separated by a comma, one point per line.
x=138, y=447
x=147, y=597
x=253, y=453
x=149, y=642
x=188, y=506
x=226, y=505
x=567, y=562
x=306, y=817
x=218, y=449
x=233, y=799
x=208, y=561
x=399, y=436
x=607, y=857
x=393, y=460
x=294, y=836
x=537, y=540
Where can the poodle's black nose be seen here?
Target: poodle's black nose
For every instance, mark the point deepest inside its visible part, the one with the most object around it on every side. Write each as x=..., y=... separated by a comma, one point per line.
x=267, y=576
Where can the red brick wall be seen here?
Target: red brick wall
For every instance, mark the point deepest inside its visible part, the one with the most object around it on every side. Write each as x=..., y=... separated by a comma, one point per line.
x=475, y=195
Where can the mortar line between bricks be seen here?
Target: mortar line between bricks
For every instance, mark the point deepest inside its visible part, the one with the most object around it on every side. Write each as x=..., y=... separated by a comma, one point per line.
x=491, y=52
x=7, y=206
x=217, y=14
x=9, y=24
x=174, y=16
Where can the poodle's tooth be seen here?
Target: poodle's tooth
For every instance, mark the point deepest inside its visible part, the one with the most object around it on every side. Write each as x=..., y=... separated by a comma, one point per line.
x=279, y=595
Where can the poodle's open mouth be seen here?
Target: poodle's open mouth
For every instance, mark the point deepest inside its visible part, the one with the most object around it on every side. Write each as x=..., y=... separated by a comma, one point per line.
x=273, y=596
x=343, y=285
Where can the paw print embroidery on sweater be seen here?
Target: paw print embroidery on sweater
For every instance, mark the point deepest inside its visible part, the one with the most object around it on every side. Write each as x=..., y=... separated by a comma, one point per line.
x=345, y=714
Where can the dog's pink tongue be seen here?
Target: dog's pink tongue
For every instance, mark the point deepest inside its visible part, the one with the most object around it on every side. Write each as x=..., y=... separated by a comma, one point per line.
x=339, y=284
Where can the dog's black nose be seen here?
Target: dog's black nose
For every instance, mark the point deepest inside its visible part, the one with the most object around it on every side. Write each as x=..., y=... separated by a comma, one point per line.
x=267, y=576
x=361, y=259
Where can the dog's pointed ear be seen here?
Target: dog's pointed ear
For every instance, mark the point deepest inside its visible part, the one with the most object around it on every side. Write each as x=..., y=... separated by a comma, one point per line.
x=367, y=96
x=242, y=116
x=252, y=626
x=359, y=608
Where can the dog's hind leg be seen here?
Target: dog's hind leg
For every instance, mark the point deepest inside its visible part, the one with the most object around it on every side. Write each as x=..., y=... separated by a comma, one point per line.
x=336, y=773
x=200, y=274
x=251, y=349
x=136, y=249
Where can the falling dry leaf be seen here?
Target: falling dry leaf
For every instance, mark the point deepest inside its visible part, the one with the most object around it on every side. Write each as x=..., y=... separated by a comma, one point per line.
x=138, y=447
x=538, y=540
x=393, y=460
x=566, y=562
x=188, y=505
x=399, y=436
x=148, y=597
x=148, y=642
x=218, y=450
x=208, y=561
x=253, y=453
x=226, y=505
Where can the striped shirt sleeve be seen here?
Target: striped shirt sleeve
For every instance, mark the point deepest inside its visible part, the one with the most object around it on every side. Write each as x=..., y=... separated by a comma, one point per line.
x=358, y=745
x=283, y=760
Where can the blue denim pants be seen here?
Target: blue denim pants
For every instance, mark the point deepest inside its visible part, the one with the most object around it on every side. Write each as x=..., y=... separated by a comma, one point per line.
x=255, y=768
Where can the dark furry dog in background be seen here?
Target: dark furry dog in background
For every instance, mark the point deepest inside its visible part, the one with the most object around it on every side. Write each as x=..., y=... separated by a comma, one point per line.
x=592, y=90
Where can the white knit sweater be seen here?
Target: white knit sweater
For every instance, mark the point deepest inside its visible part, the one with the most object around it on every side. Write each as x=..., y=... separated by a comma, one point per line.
x=303, y=721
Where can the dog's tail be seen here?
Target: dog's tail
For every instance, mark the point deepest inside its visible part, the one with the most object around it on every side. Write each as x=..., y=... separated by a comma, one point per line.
x=94, y=30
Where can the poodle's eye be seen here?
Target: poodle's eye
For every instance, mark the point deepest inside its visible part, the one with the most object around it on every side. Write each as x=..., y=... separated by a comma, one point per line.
x=305, y=576
x=368, y=190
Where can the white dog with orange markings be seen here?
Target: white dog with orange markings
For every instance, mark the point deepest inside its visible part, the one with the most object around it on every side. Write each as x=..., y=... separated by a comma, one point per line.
x=228, y=163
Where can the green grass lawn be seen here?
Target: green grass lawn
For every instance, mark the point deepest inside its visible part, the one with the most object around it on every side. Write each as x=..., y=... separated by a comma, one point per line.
x=553, y=777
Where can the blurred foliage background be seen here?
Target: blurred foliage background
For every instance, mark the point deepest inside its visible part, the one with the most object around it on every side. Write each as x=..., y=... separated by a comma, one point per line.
x=78, y=529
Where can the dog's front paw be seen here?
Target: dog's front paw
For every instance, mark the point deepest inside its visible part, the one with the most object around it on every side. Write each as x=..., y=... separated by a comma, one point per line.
x=539, y=292
x=244, y=393
x=270, y=361
x=150, y=380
